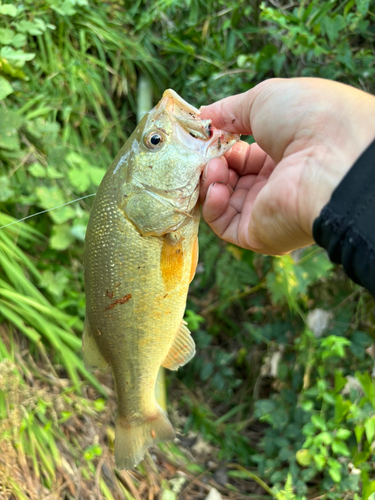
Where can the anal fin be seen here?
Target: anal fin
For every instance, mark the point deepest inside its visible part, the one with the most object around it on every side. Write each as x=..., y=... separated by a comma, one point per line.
x=182, y=349
x=92, y=357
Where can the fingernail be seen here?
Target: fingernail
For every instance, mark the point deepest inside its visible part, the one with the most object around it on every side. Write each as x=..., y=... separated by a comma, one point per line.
x=209, y=189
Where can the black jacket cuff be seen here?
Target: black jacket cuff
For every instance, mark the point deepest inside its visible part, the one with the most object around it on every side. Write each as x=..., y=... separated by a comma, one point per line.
x=346, y=225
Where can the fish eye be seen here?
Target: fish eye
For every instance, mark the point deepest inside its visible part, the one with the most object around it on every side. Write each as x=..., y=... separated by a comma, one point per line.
x=154, y=140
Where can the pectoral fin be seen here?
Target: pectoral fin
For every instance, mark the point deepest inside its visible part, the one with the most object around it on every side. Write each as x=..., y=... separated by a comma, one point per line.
x=151, y=214
x=182, y=349
x=92, y=357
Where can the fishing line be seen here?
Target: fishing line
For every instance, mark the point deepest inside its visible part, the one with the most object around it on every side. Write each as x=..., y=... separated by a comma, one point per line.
x=48, y=210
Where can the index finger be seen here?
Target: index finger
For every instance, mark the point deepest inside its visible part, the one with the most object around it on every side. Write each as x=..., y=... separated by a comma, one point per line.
x=233, y=113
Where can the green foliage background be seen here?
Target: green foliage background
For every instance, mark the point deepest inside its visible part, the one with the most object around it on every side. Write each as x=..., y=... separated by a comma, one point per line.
x=69, y=71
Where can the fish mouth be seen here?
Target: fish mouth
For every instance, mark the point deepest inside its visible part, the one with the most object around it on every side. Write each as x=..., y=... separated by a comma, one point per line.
x=220, y=142
x=208, y=141
x=202, y=137
x=186, y=115
x=190, y=130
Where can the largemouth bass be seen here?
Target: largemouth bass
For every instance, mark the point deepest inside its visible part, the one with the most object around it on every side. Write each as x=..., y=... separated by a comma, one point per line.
x=141, y=252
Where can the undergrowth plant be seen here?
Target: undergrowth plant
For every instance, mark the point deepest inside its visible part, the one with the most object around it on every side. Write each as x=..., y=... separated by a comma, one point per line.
x=306, y=336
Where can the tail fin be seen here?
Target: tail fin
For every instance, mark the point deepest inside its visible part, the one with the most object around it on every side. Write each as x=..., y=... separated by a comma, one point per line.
x=133, y=438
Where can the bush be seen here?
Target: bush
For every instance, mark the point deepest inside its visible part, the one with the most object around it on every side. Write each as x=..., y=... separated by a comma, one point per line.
x=297, y=404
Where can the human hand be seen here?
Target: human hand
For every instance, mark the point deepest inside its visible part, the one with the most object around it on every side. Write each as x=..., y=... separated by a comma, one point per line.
x=309, y=132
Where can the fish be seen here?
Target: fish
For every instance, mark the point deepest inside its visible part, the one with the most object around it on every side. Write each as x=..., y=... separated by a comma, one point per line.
x=141, y=253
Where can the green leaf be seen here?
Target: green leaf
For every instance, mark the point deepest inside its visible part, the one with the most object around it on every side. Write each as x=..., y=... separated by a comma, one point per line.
x=37, y=170
x=66, y=7
x=39, y=128
x=5, y=190
x=367, y=384
x=282, y=282
x=193, y=320
x=79, y=231
x=8, y=10
x=340, y=448
x=264, y=407
x=168, y=495
x=50, y=198
x=100, y=404
x=363, y=6
x=315, y=264
x=335, y=474
x=359, y=431
x=35, y=27
x=319, y=422
x=6, y=36
x=206, y=371
x=320, y=461
x=5, y=88
x=16, y=55
x=61, y=237
x=242, y=272
x=93, y=451
x=96, y=175
x=61, y=215
x=53, y=173
x=370, y=429
x=10, y=69
x=304, y=457
x=343, y=433
x=333, y=345
x=287, y=281
x=307, y=405
x=340, y=381
x=323, y=438
x=55, y=283
x=332, y=26
x=18, y=41
x=329, y=398
x=241, y=60
x=9, y=122
x=368, y=488
x=79, y=179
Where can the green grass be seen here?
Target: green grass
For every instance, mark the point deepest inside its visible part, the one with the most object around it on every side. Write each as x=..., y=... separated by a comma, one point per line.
x=28, y=310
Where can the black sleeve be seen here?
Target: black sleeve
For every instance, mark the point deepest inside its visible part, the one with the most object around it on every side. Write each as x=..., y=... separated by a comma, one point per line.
x=346, y=225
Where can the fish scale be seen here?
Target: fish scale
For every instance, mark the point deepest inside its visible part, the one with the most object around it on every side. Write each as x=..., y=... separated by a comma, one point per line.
x=140, y=256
